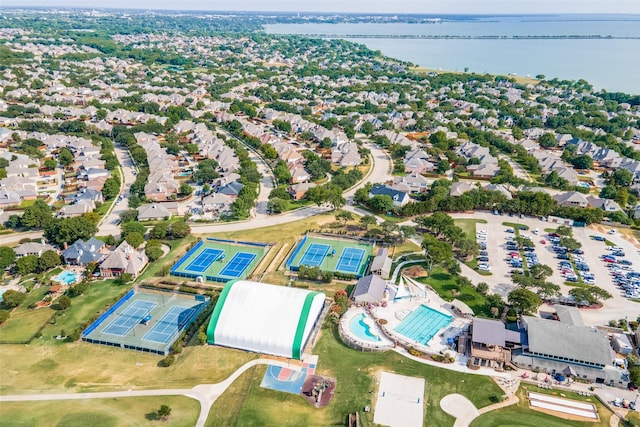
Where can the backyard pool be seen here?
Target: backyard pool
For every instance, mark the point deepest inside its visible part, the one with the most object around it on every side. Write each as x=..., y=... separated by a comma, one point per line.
x=2, y=291
x=423, y=323
x=360, y=328
x=67, y=277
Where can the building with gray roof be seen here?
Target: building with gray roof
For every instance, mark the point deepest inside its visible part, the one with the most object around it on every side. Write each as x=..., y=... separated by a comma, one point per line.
x=370, y=289
x=83, y=253
x=556, y=347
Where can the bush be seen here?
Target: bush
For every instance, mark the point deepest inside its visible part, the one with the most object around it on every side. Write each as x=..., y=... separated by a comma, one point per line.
x=167, y=361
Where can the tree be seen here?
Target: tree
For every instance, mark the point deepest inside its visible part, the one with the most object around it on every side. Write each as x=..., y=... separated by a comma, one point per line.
x=128, y=215
x=344, y=216
x=277, y=205
x=540, y=271
x=111, y=188
x=524, y=300
x=68, y=230
x=124, y=279
x=547, y=140
x=570, y=243
x=185, y=189
x=27, y=264
x=48, y=260
x=565, y=230
x=582, y=161
x=621, y=178
x=135, y=239
x=132, y=227
x=437, y=250
x=38, y=215
x=12, y=298
x=65, y=157
x=368, y=220
x=164, y=412
x=590, y=294
x=154, y=252
x=482, y=288
x=7, y=257
x=381, y=203
x=179, y=229
x=63, y=302
x=159, y=231
x=443, y=166
x=50, y=164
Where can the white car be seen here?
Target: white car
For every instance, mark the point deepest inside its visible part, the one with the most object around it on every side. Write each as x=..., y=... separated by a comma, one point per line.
x=484, y=267
x=612, y=231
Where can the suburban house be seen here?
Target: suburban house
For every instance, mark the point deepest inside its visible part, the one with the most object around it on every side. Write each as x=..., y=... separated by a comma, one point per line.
x=574, y=349
x=572, y=199
x=414, y=183
x=125, y=259
x=32, y=248
x=606, y=205
x=83, y=253
x=400, y=198
x=153, y=211
x=217, y=202
x=381, y=263
x=298, y=191
x=457, y=189
x=484, y=170
x=370, y=289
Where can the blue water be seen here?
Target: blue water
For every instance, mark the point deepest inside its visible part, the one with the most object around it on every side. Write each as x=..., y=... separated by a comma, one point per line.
x=66, y=276
x=423, y=324
x=605, y=63
x=2, y=291
x=361, y=329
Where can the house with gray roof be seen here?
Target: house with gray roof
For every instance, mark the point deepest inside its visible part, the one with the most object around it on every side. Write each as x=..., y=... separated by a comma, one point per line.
x=606, y=205
x=381, y=263
x=370, y=289
x=400, y=198
x=152, y=212
x=125, y=259
x=558, y=347
x=572, y=199
x=231, y=189
x=32, y=248
x=83, y=253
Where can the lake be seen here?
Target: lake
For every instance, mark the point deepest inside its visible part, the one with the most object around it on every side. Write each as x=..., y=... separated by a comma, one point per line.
x=611, y=62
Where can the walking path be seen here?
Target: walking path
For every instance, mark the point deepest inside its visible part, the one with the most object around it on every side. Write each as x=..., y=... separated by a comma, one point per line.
x=206, y=394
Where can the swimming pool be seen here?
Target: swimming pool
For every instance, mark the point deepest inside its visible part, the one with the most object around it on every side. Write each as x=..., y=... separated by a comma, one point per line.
x=361, y=329
x=2, y=291
x=66, y=277
x=423, y=324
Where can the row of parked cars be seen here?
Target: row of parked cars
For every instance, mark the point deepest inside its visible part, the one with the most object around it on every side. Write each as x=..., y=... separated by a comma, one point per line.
x=572, y=263
x=483, y=258
x=513, y=251
x=622, y=271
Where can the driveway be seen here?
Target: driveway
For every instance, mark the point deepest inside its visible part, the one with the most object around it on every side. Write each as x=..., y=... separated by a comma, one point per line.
x=110, y=222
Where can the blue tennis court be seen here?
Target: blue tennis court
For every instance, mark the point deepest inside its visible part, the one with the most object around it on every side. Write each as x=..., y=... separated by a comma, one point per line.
x=238, y=264
x=314, y=255
x=169, y=325
x=204, y=260
x=129, y=318
x=350, y=260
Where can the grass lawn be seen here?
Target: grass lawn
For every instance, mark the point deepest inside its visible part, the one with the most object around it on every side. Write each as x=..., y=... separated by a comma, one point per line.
x=355, y=372
x=520, y=415
x=98, y=296
x=138, y=411
x=26, y=203
x=468, y=225
x=445, y=285
x=24, y=322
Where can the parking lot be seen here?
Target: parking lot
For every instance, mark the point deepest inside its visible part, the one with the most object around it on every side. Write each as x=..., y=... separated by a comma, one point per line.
x=500, y=280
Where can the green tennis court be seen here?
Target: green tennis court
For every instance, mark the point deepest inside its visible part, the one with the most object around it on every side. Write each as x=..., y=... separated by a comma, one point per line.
x=335, y=255
x=217, y=260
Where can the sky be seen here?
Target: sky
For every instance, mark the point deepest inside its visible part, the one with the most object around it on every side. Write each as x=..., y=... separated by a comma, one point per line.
x=363, y=6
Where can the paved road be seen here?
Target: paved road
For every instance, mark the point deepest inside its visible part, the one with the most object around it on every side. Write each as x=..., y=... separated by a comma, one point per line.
x=8, y=239
x=109, y=224
x=206, y=394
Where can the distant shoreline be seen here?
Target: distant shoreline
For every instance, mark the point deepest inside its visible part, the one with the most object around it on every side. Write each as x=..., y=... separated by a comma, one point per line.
x=518, y=79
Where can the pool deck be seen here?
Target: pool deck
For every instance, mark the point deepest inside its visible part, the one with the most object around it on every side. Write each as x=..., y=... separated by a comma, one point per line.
x=393, y=314
x=346, y=321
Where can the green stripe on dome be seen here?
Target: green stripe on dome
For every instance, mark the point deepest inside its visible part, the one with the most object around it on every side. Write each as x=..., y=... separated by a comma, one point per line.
x=215, y=316
x=296, y=349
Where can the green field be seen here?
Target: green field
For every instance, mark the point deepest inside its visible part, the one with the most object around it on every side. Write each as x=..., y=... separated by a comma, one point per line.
x=468, y=225
x=213, y=271
x=330, y=261
x=138, y=411
x=249, y=404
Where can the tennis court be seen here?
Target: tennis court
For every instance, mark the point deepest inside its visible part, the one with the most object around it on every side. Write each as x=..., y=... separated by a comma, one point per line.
x=204, y=260
x=314, y=255
x=169, y=325
x=315, y=251
x=129, y=318
x=217, y=260
x=238, y=264
x=350, y=260
x=146, y=321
